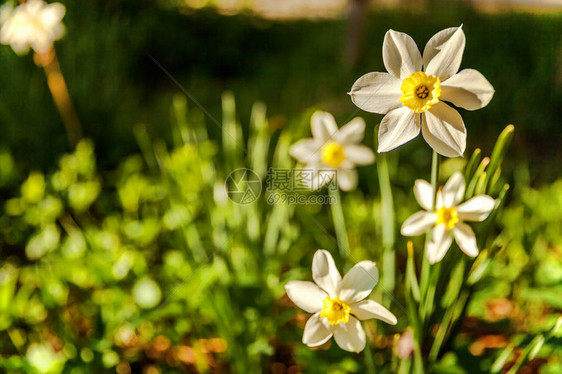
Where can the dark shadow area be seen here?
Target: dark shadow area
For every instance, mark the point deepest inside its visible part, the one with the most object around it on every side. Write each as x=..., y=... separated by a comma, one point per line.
x=290, y=66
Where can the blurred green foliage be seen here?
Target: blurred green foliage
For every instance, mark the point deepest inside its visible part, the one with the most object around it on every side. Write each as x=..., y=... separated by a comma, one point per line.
x=152, y=267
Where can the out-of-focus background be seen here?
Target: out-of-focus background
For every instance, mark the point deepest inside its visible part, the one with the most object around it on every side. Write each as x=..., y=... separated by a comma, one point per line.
x=291, y=55
x=125, y=255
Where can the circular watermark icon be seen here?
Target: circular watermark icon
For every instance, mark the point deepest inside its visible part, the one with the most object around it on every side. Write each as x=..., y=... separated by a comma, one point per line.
x=243, y=186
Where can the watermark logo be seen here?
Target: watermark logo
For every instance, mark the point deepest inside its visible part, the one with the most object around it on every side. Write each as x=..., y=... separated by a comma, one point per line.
x=243, y=186
x=299, y=199
x=285, y=186
x=293, y=186
x=299, y=180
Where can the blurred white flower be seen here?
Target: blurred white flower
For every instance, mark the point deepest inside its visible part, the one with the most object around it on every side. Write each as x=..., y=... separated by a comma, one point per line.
x=44, y=359
x=220, y=193
x=447, y=217
x=338, y=304
x=147, y=293
x=333, y=151
x=412, y=94
x=33, y=24
x=5, y=11
x=405, y=345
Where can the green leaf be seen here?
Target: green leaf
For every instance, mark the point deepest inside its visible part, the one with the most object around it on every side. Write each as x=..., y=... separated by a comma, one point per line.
x=500, y=149
x=455, y=283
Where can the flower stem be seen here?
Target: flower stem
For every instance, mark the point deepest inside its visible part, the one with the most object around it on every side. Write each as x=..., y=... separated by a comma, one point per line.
x=412, y=294
x=57, y=85
x=428, y=280
x=369, y=361
x=434, y=175
x=343, y=244
x=433, y=272
x=339, y=221
x=424, y=278
x=387, y=222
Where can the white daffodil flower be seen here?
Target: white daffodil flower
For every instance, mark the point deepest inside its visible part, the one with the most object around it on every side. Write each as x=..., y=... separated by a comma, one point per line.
x=447, y=217
x=34, y=24
x=413, y=92
x=338, y=304
x=333, y=151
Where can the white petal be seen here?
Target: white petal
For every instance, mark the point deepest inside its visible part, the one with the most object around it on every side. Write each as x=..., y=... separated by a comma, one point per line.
x=41, y=45
x=423, y=191
x=444, y=131
x=418, y=223
x=350, y=336
x=377, y=92
x=398, y=127
x=453, y=192
x=439, y=199
x=439, y=244
x=347, y=179
x=467, y=89
x=306, y=151
x=317, y=331
x=476, y=209
x=368, y=309
x=5, y=12
x=465, y=238
x=323, y=126
x=52, y=14
x=325, y=273
x=359, y=154
x=359, y=281
x=405, y=345
x=443, y=53
x=34, y=6
x=352, y=132
x=315, y=177
x=400, y=54
x=19, y=48
x=347, y=164
x=306, y=295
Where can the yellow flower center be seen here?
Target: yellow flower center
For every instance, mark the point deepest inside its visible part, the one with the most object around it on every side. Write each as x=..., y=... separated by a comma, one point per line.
x=335, y=311
x=447, y=216
x=333, y=154
x=420, y=91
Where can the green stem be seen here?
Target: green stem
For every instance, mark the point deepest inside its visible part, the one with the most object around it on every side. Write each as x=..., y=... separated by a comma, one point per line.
x=369, y=361
x=434, y=175
x=427, y=280
x=411, y=289
x=418, y=338
x=429, y=301
x=343, y=244
x=424, y=277
x=441, y=333
x=418, y=360
x=339, y=221
x=425, y=272
x=387, y=223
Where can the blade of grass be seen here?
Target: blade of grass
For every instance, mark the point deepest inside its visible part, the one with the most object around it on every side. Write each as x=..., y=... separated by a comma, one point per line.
x=387, y=207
